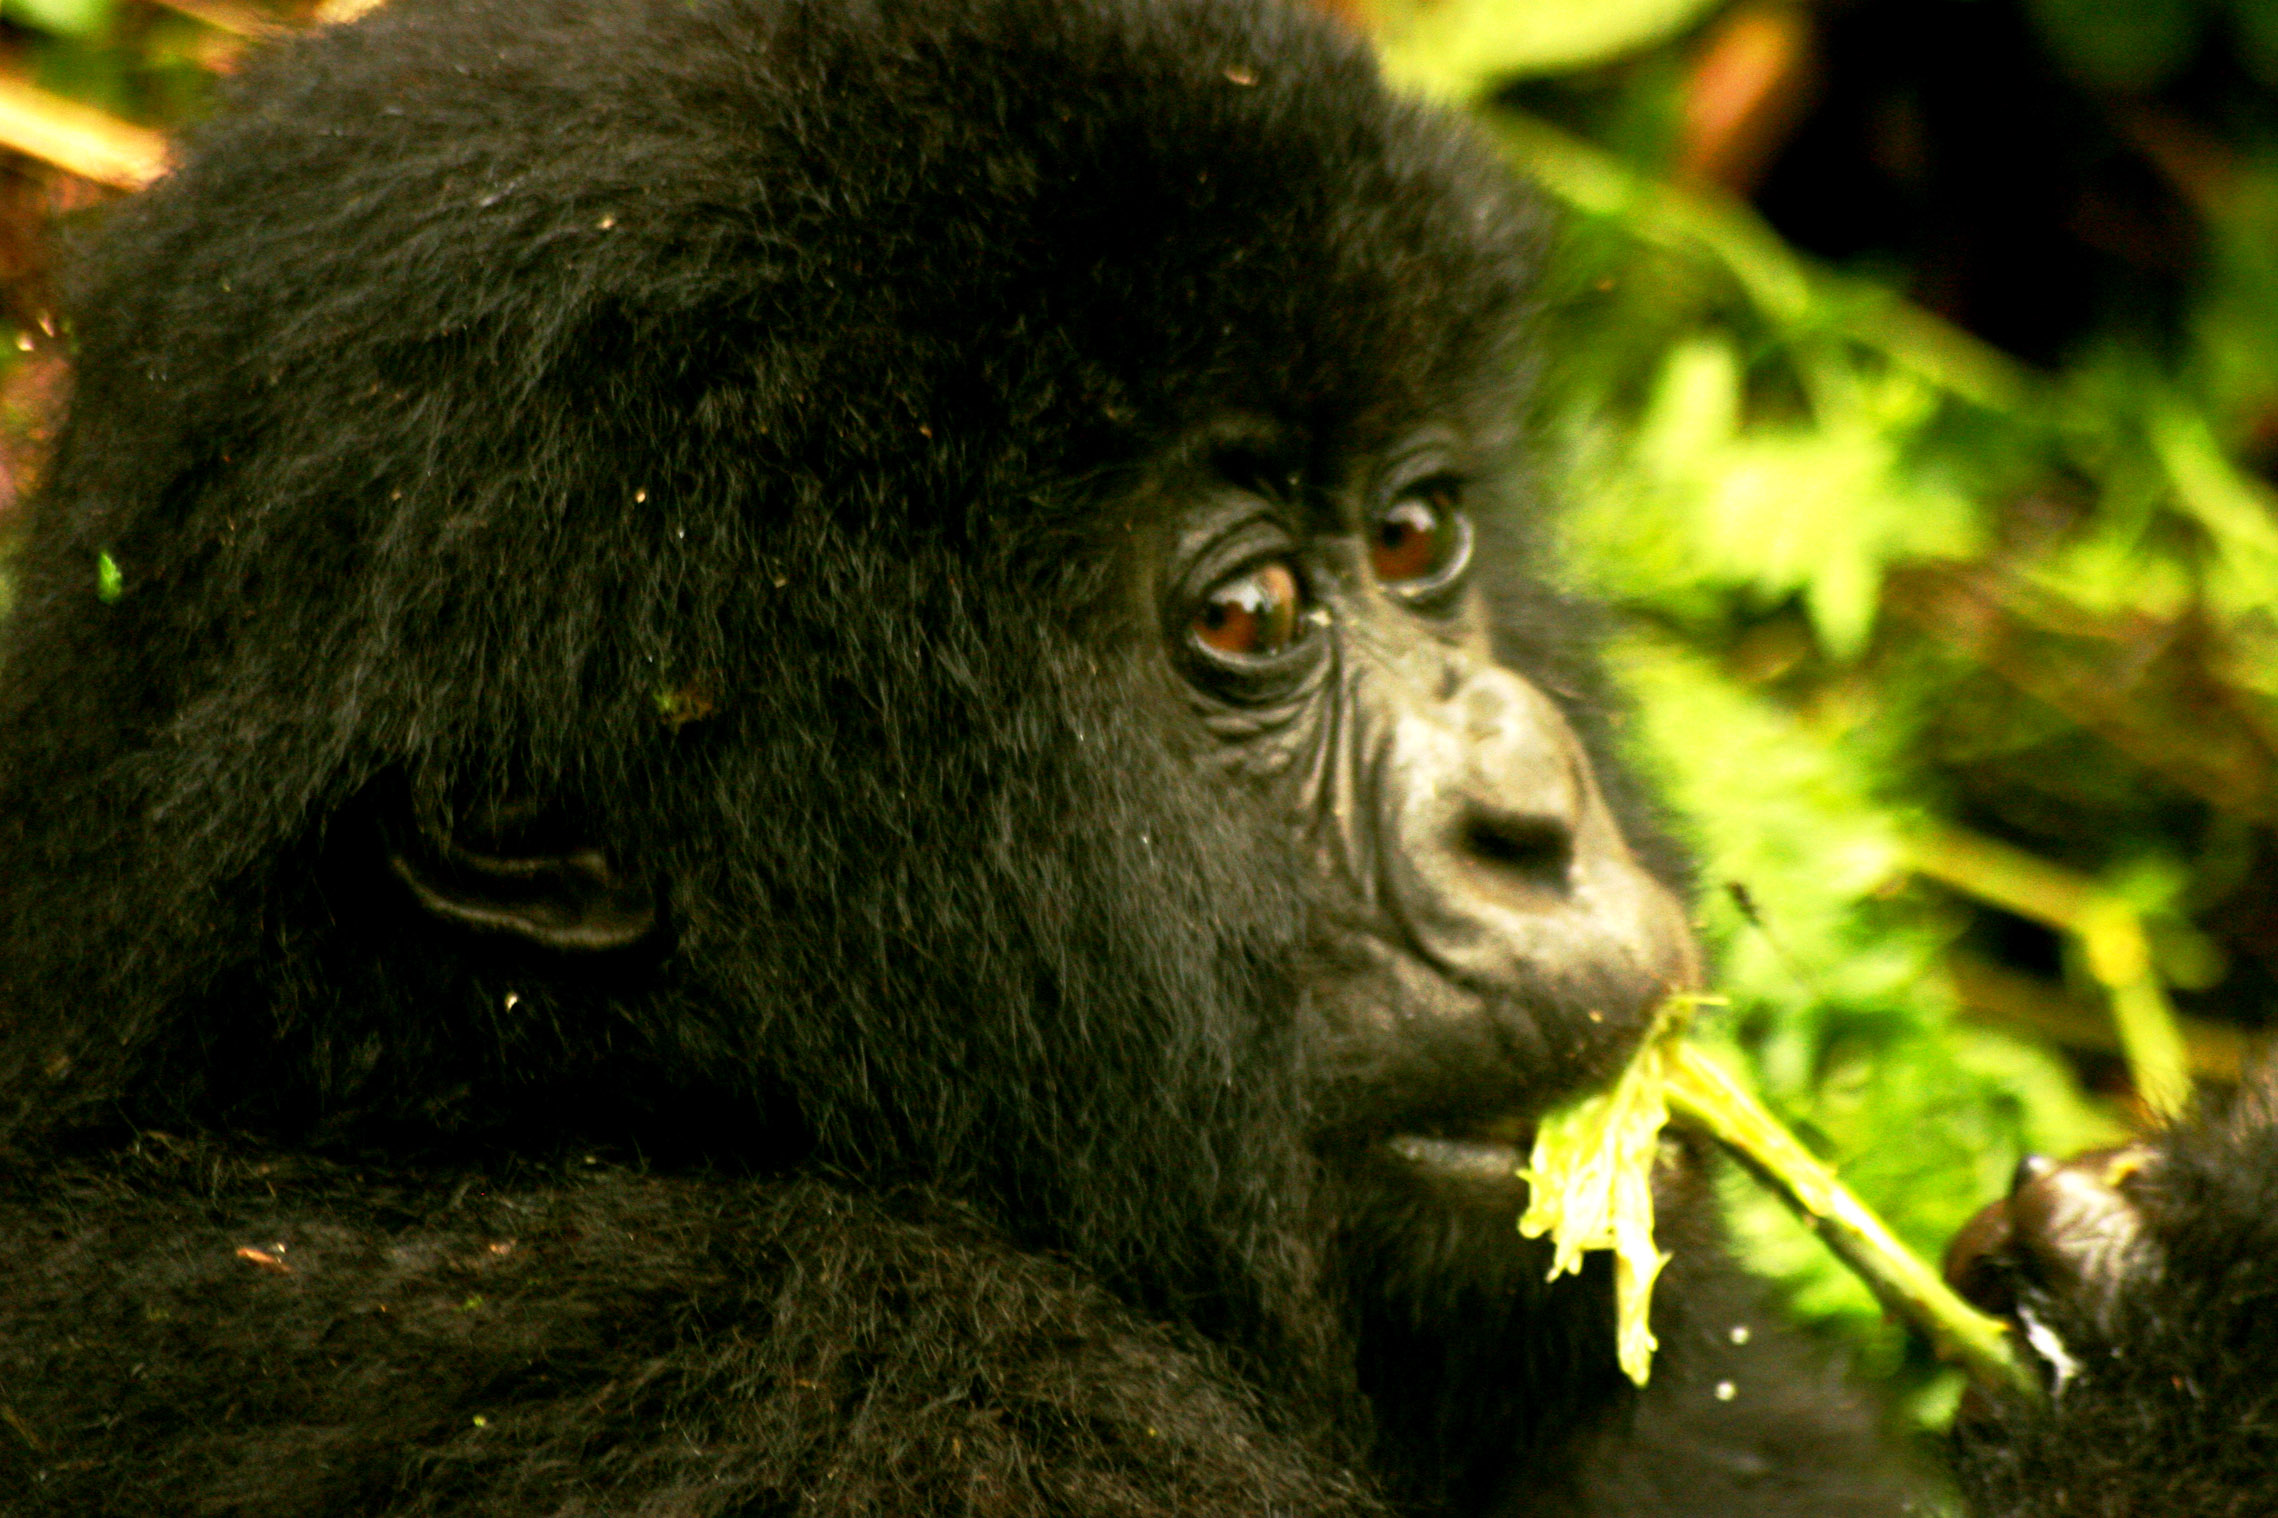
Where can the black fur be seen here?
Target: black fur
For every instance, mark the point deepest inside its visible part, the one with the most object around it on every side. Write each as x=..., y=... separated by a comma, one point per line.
x=718, y=433
x=285, y=1337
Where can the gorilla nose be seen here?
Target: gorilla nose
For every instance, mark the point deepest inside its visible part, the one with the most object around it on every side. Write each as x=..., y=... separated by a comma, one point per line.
x=1518, y=792
x=1511, y=870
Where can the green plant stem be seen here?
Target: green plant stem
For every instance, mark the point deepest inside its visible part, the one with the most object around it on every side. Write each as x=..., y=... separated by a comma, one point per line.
x=1702, y=1095
x=2112, y=941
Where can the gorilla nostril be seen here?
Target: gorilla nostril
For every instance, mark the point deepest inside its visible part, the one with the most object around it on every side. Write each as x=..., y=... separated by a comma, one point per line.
x=1536, y=850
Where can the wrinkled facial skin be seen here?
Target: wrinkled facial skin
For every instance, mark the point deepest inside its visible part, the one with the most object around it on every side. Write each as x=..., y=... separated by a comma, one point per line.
x=1495, y=944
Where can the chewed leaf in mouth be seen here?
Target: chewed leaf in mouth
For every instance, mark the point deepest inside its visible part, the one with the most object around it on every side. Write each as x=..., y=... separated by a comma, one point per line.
x=1590, y=1182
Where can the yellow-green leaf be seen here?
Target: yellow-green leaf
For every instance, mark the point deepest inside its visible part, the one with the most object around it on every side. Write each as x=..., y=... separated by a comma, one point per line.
x=1453, y=48
x=1590, y=1184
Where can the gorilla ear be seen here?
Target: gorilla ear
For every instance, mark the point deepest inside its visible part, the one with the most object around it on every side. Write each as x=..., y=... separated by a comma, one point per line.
x=515, y=874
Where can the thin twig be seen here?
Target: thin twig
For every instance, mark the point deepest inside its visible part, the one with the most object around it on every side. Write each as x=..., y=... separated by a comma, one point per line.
x=78, y=138
x=2112, y=941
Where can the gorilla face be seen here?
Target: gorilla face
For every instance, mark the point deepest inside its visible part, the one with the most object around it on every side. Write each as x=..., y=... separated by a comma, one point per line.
x=1495, y=943
x=1486, y=942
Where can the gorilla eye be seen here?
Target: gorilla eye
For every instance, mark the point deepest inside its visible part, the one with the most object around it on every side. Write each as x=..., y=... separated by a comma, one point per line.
x=1422, y=541
x=1254, y=614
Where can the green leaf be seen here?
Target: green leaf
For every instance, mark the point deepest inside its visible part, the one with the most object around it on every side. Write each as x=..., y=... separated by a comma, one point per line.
x=110, y=581
x=2236, y=510
x=1590, y=1183
x=2255, y=24
x=1454, y=48
x=1841, y=594
x=2120, y=44
x=1695, y=406
x=65, y=18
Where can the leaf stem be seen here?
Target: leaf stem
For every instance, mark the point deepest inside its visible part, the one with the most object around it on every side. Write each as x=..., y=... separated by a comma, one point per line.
x=1702, y=1095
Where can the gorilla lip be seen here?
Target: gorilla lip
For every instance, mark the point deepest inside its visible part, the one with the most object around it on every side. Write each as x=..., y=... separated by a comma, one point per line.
x=1482, y=1159
x=1489, y=1151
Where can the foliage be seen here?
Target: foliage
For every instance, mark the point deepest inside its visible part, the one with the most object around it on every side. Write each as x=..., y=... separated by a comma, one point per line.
x=1449, y=46
x=1881, y=580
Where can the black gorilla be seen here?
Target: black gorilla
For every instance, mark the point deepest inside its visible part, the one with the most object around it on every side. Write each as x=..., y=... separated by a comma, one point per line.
x=761, y=755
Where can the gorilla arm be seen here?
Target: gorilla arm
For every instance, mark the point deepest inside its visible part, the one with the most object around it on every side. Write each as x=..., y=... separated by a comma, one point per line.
x=194, y=1329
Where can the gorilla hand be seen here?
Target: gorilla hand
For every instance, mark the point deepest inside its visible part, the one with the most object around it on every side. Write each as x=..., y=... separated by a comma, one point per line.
x=2143, y=1279
x=2054, y=1256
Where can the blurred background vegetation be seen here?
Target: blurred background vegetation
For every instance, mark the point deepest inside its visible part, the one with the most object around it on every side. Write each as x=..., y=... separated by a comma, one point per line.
x=1914, y=385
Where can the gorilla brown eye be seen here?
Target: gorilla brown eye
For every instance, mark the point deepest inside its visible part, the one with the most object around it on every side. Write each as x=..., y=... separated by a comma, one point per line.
x=1422, y=541
x=1252, y=615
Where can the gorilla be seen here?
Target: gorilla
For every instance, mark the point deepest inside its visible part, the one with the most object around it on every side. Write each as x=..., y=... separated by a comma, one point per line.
x=768, y=756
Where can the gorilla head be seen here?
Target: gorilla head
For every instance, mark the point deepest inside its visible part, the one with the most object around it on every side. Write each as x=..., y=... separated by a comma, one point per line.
x=929, y=591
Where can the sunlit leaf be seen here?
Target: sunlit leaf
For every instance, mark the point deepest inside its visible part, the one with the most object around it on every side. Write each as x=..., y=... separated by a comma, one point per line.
x=65, y=18
x=1451, y=48
x=1590, y=1184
